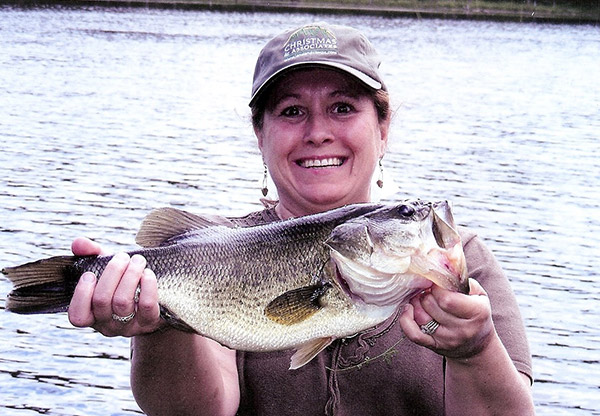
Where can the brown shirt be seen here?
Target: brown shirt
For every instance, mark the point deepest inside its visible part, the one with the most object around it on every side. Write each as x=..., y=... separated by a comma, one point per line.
x=405, y=379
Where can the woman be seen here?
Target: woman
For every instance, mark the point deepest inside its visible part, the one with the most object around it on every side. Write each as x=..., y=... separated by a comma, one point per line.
x=321, y=115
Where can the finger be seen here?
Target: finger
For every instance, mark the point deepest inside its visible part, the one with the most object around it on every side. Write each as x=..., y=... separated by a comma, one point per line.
x=420, y=314
x=457, y=304
x=123, y=303
x=148, y=313
x=476, y=288
x=107, y=285
x=411, y=328
x=82, y=246
x=80, y=310
x=430, y=304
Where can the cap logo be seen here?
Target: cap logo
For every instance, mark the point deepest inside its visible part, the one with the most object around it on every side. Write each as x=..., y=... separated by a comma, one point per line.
x=310, y=40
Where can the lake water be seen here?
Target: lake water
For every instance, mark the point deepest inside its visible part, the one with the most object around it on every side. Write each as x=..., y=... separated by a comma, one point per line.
x=108, y=113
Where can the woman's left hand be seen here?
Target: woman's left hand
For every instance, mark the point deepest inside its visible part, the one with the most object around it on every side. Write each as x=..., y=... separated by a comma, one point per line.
x=466, y=325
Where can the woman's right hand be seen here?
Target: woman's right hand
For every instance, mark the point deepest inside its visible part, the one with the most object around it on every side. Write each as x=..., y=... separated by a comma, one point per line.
x=96, y=300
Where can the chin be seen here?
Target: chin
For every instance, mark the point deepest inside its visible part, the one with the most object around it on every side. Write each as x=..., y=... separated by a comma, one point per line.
x=333, y=199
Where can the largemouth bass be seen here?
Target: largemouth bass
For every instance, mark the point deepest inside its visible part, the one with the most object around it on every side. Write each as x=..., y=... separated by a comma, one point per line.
x=299, y=283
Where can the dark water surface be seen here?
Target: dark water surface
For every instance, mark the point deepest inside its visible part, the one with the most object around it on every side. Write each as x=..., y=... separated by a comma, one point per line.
x=108, y=113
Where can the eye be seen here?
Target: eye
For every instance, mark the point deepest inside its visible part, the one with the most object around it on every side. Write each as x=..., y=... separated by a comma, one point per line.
x=291, y=111
x=342, y=108
x=406, y=210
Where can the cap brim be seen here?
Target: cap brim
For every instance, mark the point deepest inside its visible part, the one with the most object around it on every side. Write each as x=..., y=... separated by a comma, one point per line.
x=364, y=78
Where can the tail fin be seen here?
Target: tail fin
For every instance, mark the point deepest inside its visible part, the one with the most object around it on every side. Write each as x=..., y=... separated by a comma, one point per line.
x=43, y=286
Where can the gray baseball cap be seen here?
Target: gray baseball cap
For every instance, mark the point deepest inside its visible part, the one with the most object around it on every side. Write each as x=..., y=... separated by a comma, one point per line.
x=318, y=44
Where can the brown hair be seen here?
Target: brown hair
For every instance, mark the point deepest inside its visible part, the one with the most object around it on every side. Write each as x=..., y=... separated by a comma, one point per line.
x=380, y=98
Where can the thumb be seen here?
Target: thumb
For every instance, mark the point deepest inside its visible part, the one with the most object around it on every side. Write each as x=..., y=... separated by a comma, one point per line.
x=476, y=288
x=82, y=246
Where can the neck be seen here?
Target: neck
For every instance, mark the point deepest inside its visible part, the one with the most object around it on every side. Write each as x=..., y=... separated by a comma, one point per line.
x=285, y=211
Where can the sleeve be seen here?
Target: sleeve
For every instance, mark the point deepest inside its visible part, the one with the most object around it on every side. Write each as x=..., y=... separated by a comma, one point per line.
x=484, y=267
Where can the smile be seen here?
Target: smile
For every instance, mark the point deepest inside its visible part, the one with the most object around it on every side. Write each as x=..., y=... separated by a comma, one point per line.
x=321, y=163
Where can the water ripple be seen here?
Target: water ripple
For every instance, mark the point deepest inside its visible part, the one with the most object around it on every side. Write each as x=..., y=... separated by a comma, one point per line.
x=109, y=113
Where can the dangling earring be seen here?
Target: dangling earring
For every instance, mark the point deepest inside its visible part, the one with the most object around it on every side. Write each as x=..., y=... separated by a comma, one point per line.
x=264, y=189
x=380, y=180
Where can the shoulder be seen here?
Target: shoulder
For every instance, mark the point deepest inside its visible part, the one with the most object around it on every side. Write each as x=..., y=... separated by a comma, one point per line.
x=468, y=236
x=481, y=262
x=261, y=217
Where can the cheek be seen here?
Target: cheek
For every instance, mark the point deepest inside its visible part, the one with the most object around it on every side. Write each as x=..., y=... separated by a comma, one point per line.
x=274, y=145
x=370, y=146
x=266, y=138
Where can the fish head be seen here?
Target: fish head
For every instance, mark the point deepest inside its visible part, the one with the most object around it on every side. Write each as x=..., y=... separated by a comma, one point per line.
x=386, y=256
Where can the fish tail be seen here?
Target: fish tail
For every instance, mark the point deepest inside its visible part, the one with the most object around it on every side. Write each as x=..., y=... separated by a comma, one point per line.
x=43, y=286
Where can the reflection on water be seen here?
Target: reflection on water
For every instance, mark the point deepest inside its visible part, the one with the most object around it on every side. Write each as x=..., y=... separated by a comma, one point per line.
x=108, y=113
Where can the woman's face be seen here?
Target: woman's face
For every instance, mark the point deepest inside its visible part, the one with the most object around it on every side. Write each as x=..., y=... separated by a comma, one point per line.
x=321, y=140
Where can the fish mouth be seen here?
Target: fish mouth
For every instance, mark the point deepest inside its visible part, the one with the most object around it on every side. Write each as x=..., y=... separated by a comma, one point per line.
x=384, y=267
x=326, y=162
x=389, y=277
x=446, y=267
x=364, y=285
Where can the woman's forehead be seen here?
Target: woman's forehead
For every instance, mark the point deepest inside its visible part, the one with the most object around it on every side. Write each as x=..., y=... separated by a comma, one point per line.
x=308, y=80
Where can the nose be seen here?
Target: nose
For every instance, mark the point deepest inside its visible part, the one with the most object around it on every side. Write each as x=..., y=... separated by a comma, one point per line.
x=317, y=130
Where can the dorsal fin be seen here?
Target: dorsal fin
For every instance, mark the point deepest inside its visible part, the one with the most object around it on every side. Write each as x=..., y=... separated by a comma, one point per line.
x=164, y=224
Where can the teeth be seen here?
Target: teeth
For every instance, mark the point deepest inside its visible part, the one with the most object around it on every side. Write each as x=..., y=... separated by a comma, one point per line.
x=320, y=163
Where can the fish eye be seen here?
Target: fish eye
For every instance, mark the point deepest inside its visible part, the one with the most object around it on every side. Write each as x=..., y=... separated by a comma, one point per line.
x=406, y=210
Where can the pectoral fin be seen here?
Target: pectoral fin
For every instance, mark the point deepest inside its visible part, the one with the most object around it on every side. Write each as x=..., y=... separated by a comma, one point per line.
x=308, y=351
x=296, y=305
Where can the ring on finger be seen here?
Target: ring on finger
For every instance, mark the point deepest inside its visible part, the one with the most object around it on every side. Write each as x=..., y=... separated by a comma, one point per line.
x=430, y=327
x=123, y=319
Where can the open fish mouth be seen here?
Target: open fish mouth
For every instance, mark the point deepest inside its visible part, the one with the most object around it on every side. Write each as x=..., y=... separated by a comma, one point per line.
x=397, y=264
x=373, y=287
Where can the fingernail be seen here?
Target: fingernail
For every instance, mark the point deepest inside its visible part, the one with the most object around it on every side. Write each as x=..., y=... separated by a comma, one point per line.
x=88, y=277
x=137, y=259
x=121, y=256
x=148, y=273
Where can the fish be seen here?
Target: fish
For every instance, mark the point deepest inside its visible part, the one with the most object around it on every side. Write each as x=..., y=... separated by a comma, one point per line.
x=299, y=283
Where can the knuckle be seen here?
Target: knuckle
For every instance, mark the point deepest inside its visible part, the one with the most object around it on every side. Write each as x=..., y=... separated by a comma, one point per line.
x=119, y=261
x=121, y=302
x=101, y=300
x=446, y=303
x=147, y=305
x=108, y=332
x=151, y=319
x=148, y=312
x=78, y=321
